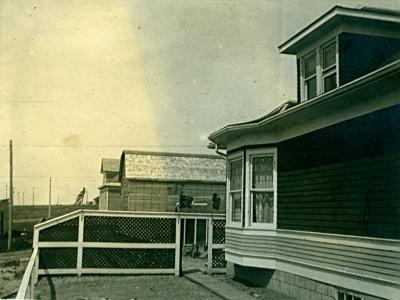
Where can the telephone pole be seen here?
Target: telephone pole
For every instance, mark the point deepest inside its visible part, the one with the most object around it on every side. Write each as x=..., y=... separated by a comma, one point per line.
x=33, y=196
x=23, y=198
x=10, y=206
x=49, y=215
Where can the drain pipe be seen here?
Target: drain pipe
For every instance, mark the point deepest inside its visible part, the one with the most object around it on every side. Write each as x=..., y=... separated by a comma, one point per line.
x=212, y=145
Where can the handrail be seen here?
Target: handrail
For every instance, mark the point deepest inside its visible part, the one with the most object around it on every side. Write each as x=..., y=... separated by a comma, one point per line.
x=26, y=279
x=59, y=219
x=75, y=213
x=153, y=213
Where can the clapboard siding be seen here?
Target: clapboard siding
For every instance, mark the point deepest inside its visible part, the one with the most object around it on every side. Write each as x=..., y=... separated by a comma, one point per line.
x=355, y=197
x=382, y=264
x=343, y=179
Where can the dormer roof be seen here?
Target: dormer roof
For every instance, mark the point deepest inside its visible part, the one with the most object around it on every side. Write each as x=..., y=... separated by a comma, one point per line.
x=367, y=17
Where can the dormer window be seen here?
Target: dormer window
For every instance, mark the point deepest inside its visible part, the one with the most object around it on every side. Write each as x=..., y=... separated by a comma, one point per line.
x=329, y=67
x=310, y=76
x=319, y=70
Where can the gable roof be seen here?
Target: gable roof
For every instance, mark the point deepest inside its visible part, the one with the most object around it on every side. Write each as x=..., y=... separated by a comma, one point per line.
x=172, y=166
x=109, y=165
x=384, y=18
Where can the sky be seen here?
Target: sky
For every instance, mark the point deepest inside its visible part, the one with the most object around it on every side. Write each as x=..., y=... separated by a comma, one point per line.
x=81, y=80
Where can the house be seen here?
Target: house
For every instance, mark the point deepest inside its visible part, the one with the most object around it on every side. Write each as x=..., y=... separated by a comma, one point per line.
x=313, y=208
x=109, y=198
x=157, y=181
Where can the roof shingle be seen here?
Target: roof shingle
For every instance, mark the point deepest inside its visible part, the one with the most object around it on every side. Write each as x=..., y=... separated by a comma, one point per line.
x=173, y=166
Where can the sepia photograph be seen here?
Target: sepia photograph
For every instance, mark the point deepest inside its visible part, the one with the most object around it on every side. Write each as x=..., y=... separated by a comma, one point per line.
x=200, y=149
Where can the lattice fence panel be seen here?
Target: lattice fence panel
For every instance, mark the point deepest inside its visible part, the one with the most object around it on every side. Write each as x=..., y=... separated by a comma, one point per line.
x=128, y=258
x=63, y=232
x=218, y=258
x=218, y=231
x=129, y=230
x=57, y=258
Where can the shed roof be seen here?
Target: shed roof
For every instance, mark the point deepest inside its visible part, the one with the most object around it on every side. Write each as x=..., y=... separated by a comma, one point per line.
x=109, y=165
x=172, y=166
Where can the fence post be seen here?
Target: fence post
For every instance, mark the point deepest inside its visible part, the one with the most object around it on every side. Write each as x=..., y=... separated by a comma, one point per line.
x=177, y=246
x=35, y=270
x=80, y=244
x=209, y=246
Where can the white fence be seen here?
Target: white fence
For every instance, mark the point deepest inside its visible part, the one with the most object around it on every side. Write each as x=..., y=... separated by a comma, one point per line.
x=105, y=242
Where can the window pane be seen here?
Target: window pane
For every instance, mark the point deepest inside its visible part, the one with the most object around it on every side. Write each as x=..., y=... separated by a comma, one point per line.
x=340, y=296
x=236, y=205
x=330, y=82
x=329, y=56
x=263, y=207
x=357, y=298
x=262, y=172
x=311, y=88
x=310, y=65
x=349, y=297
x=236, y=175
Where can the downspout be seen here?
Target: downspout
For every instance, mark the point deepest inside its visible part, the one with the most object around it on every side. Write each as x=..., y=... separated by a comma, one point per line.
x=212, y=145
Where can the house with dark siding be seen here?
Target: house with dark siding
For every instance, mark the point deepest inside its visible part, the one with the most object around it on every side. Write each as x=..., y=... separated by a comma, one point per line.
x=313, y=207
x=110, y=198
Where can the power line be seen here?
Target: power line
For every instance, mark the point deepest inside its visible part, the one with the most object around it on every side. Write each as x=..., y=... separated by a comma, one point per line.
x=104, y=146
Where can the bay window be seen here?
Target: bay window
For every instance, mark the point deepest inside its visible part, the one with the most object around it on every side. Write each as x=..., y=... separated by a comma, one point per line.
x=235, y=189
x=259, y=191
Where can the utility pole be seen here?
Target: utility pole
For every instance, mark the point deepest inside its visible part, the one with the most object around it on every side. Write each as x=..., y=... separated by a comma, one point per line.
x=6, y=191
x=49, y=215
x=58, y=199
x=23, y=198
x=33, y=196
x=18, y=198
x=10, y=206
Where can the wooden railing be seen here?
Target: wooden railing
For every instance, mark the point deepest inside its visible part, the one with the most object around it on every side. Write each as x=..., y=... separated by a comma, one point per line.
x=29, y=279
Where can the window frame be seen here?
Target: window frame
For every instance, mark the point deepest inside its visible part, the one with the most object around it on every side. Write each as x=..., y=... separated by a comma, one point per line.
x=229, y=211
x=320, y=73
x=307, y=79
x=248, y=188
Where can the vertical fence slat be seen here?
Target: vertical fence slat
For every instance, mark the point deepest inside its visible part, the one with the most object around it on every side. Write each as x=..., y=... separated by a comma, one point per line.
x=80, y=244
x=177, y=246
x=210, y=246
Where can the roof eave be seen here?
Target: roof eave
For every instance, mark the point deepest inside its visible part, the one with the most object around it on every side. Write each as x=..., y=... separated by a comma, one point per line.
x=219, y=137
x=291, y=46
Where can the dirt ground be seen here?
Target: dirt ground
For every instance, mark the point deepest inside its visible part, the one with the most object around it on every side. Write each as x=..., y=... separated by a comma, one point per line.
x=120, y=287
x=12, y=268
x=13, y=264
x=260, y=293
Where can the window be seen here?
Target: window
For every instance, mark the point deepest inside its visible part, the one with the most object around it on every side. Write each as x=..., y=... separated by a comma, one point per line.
x=256, y=200
x=329, y=67
x=310, y=76
x=319, y=71
x=346, y=295
x=235, y=189
x=261, y=188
